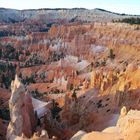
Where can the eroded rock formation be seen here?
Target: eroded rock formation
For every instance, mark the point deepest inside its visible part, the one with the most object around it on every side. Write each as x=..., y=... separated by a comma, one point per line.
x=127, y=128
x=21, y=112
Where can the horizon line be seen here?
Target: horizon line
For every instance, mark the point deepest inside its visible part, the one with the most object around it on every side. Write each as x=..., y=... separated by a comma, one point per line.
x=58, y=8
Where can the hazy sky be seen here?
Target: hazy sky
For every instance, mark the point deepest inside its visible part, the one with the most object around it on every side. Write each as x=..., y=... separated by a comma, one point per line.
x=120, y=6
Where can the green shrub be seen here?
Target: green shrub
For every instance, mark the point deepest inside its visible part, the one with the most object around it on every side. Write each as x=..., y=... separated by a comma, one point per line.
x=4, y=114
x=55, y=110
x=130, y=20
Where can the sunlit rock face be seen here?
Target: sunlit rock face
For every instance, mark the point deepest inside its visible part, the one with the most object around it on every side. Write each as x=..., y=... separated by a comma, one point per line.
x=129, y=125
x=103, y=79
x=123, y=86
x=127, y=128
x=21, y=112
x=78, y=135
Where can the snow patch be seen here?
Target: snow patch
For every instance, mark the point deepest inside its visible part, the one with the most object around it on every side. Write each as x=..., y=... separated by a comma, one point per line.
x=98, y=49
x=40, y=107
x=82, y=65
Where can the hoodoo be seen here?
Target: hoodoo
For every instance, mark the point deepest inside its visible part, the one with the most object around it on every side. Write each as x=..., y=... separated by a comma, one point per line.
x=21, y=112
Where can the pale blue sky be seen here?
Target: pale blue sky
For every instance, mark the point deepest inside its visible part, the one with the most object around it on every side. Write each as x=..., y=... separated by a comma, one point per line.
x=120, y=6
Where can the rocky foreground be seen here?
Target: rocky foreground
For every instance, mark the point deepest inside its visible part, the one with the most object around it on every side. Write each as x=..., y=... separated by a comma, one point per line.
x=23, y=121
x=127, y=128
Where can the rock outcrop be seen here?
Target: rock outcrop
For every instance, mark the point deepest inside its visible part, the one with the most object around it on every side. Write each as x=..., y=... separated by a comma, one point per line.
x=78, y=135
x=103, y=79
x=129, y=125
x=21, y=112
x=123, y=112
x=127, y=128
